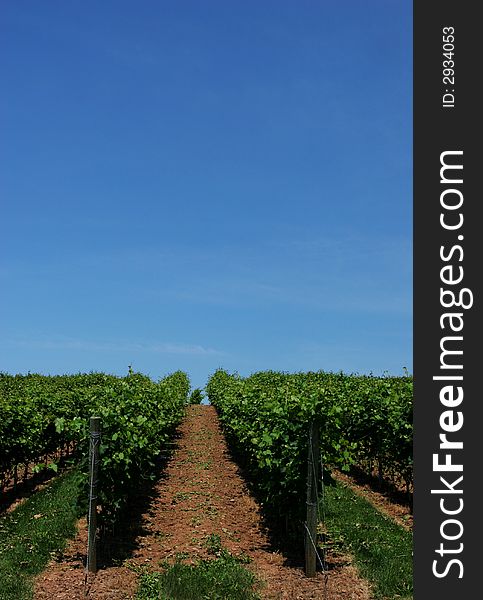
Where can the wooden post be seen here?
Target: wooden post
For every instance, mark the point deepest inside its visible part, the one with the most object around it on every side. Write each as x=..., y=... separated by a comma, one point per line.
x=95, y=430
x=312, y=498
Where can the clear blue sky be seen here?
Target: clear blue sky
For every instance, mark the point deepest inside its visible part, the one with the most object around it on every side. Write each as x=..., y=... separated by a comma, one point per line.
x=192, y=185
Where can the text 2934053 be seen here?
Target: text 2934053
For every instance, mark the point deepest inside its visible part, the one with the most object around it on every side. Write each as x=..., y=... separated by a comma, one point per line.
x=448, y=67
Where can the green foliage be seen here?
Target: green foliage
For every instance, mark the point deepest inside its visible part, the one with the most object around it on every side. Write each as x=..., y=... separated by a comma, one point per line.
x=213, y=543
x=138, y=419
x=196, y=396
x=217, y=579
x=267, y=416
x=40, y=414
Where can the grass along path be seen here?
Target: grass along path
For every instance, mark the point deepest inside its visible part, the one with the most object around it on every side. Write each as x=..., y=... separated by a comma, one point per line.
x=200, y=505
x=382, y=549
x=33, y=532
x=399, y=511
x=220, y=578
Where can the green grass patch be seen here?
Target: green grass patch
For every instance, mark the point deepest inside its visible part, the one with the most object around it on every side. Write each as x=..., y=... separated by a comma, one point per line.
x=382, y=549
x=34, y=532
x=221, y=578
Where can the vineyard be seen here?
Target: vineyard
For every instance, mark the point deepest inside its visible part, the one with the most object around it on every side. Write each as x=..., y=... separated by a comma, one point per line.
x=42, y=415
x=363, y=422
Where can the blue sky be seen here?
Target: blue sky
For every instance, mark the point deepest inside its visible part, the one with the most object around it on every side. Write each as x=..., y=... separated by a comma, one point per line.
x=193, y=185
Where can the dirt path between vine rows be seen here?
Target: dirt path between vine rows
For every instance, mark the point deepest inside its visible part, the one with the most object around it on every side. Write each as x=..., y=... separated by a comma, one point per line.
x=201, y=493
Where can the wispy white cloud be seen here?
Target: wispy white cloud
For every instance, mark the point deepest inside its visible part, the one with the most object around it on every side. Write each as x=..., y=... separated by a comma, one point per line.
x=334, y=293
x=349, y=273
x=66, y=343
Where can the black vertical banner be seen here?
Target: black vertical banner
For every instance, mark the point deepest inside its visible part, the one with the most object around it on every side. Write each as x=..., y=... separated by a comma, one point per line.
x=448, y=250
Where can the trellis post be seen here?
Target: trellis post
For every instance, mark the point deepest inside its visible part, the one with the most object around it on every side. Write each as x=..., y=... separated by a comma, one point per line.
x=313, y=466
x=95, y=437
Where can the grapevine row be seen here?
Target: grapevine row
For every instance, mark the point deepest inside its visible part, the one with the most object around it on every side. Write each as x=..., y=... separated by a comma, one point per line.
x=40, y=414
x=363, y=420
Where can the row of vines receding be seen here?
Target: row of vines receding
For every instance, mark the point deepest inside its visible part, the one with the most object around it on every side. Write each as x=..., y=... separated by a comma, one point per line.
x=44, y=415
x=364, y=421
